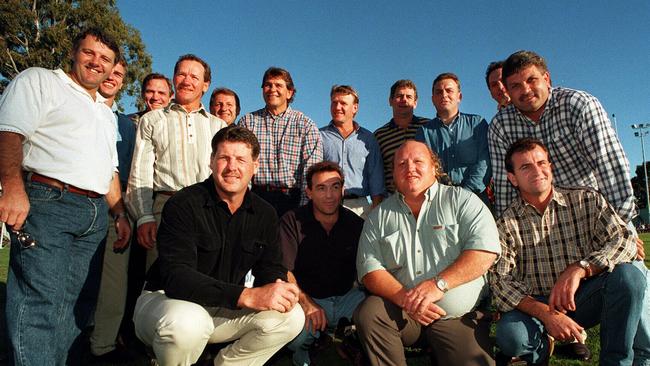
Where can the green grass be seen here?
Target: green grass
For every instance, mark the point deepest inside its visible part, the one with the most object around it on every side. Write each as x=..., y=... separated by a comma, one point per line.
x=328, y=357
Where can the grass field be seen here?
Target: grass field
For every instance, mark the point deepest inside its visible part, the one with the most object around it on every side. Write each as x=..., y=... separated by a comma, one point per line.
x=329, y=357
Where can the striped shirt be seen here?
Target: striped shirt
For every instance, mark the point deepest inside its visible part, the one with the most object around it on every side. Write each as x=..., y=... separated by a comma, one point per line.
x=172, y=151
x=578, y=224
x=582, y=145
x=390, y=137
x=289, y=144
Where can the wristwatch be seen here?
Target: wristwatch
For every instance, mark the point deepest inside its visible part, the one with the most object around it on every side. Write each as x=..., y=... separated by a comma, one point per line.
x=442, y=284
x=586, y=266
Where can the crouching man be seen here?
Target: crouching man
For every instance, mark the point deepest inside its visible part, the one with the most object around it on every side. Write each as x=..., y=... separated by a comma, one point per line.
x=565, y=266
x=423, y=254
x=211, y=234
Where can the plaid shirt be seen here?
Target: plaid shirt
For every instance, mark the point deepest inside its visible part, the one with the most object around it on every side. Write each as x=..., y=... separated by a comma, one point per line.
x=582, y=145
x=290, y=143
x=535, y=248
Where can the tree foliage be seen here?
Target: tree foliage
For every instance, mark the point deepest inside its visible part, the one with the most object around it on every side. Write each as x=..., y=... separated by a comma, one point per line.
x=640, y=186
x=40, y=33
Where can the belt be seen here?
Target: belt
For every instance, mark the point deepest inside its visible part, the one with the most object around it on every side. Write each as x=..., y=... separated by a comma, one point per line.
x=35, y=177
x=166, y=193
x=269, y=188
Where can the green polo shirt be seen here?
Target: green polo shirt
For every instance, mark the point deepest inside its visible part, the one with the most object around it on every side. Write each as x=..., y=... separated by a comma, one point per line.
x=451, y=220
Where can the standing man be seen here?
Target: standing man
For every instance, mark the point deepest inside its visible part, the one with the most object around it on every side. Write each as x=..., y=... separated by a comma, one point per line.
x=356, y=150
x=495, y=84
x=459, y=139
x=171, y=147
x=319, y=244
x=112, y=292
x=224, y=103
x=403, y=99
x=212, y=234
x=423, y=255
x=289, y=140
x=565, y=266
x=56, y=208
x=156, y=92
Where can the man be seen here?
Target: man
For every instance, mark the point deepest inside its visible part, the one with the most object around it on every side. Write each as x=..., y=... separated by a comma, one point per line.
x=565, y=266
x=459, y=139
x=574, y=127
x=289, y=140
x=403, y=99
x=355, y=149
x=212, y=233
x=494, y=83
x=156, y=92
x=50, y=294
x=319, y=244
x=171, y=144
x=224, y=103
x=112, y=292
x=423, y=254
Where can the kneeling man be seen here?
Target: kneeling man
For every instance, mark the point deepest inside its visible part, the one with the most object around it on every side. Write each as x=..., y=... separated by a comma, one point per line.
x=565, y=266
x=319, y=243
x=211, y=234
x=423, y=254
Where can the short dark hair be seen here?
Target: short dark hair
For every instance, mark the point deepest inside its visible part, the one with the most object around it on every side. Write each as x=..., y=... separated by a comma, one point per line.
x=277, y=72
x=155, y=76
x=226, y=91
x=323, y=166
x=207, y=76
x=521, y=60
x=403, y=83
x=236, y=133
x=519, y=146
x=345, y=89
x=101, y=36
x=491, y=67
x=444, y=76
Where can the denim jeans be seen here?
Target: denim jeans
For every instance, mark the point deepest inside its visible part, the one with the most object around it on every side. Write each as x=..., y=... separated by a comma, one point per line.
x=52, y=287
x=615, y=300
x=642, y=339
x=335, y=308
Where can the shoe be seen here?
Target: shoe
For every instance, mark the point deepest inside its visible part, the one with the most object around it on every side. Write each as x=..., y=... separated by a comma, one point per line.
x=575, y=350
x=350, y=349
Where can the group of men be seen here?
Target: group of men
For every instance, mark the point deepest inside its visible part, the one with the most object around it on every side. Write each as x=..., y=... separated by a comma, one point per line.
x=334, y=225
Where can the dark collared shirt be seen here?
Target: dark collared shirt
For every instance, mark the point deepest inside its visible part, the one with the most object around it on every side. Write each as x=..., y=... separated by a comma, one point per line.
x=323, y=264
x=205, y=251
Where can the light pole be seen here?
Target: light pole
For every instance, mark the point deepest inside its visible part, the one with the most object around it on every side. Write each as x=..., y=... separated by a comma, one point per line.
x=642, y=131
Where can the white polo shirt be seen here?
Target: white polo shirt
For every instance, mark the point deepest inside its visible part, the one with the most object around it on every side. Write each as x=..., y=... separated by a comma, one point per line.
x=68, y=135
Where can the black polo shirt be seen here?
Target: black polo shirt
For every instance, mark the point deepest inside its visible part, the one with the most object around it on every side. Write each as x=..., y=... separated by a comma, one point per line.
x=323, y=264
x=204, y=251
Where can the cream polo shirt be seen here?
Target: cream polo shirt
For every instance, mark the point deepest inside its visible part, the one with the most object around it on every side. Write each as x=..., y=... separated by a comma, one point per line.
x=451, y=220
x=67, y=135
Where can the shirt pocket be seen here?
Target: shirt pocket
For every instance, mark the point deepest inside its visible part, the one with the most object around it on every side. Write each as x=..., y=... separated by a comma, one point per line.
x=445, y=244
x=251, y=251
x=392, y=251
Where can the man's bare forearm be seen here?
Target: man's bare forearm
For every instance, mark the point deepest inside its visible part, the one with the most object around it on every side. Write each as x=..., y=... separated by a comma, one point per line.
x=11, y=161
x=470, y=265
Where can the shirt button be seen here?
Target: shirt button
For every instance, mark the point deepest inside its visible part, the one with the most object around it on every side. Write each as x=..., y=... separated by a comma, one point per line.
x=418, y=272
x=419, y=251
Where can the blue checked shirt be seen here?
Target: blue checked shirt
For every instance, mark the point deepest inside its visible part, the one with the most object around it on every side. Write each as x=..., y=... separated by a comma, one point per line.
x=359, y=157
x=582, y=144
x=289, y=143
x=462, y=147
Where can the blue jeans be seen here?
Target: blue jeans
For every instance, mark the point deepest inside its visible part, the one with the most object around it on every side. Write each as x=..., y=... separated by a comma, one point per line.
x=52, y=287
x=335, y=308
x=642, y=339
x=615, y=300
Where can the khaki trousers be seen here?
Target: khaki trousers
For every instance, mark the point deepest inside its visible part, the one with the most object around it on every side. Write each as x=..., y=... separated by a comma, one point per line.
x=384, y=330
x=359, y=206
x=178, y=330
x=158, y=204
x=112, y=296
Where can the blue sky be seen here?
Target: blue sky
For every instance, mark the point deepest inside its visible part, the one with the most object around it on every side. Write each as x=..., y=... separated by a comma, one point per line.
x=602, y=47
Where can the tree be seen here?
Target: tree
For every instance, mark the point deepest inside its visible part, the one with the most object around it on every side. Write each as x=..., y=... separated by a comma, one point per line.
x=640, y=186
x=40, y=33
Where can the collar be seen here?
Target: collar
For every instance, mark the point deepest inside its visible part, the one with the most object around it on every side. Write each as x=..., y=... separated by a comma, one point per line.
x=68, y=80
x=213, y=199
x=453, y=121
x=177, y=107
x=331, y=126
x=522, y=206
x=414, y=120
x=428, y=195
x=274, y=116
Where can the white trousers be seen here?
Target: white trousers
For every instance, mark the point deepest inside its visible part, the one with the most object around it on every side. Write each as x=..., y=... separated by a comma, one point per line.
x=178, y=330
x=360, y=206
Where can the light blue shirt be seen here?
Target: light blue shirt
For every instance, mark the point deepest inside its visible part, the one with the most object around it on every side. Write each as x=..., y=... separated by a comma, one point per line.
x=463, y=148
x=359, y=157
x=412, y=250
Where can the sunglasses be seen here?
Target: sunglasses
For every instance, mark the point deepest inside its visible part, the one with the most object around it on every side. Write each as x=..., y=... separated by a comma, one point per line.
x=25, y=239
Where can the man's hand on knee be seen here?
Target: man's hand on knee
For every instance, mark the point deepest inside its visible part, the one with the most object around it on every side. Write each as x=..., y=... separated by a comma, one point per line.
x=280, y=296
x=561, y=327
